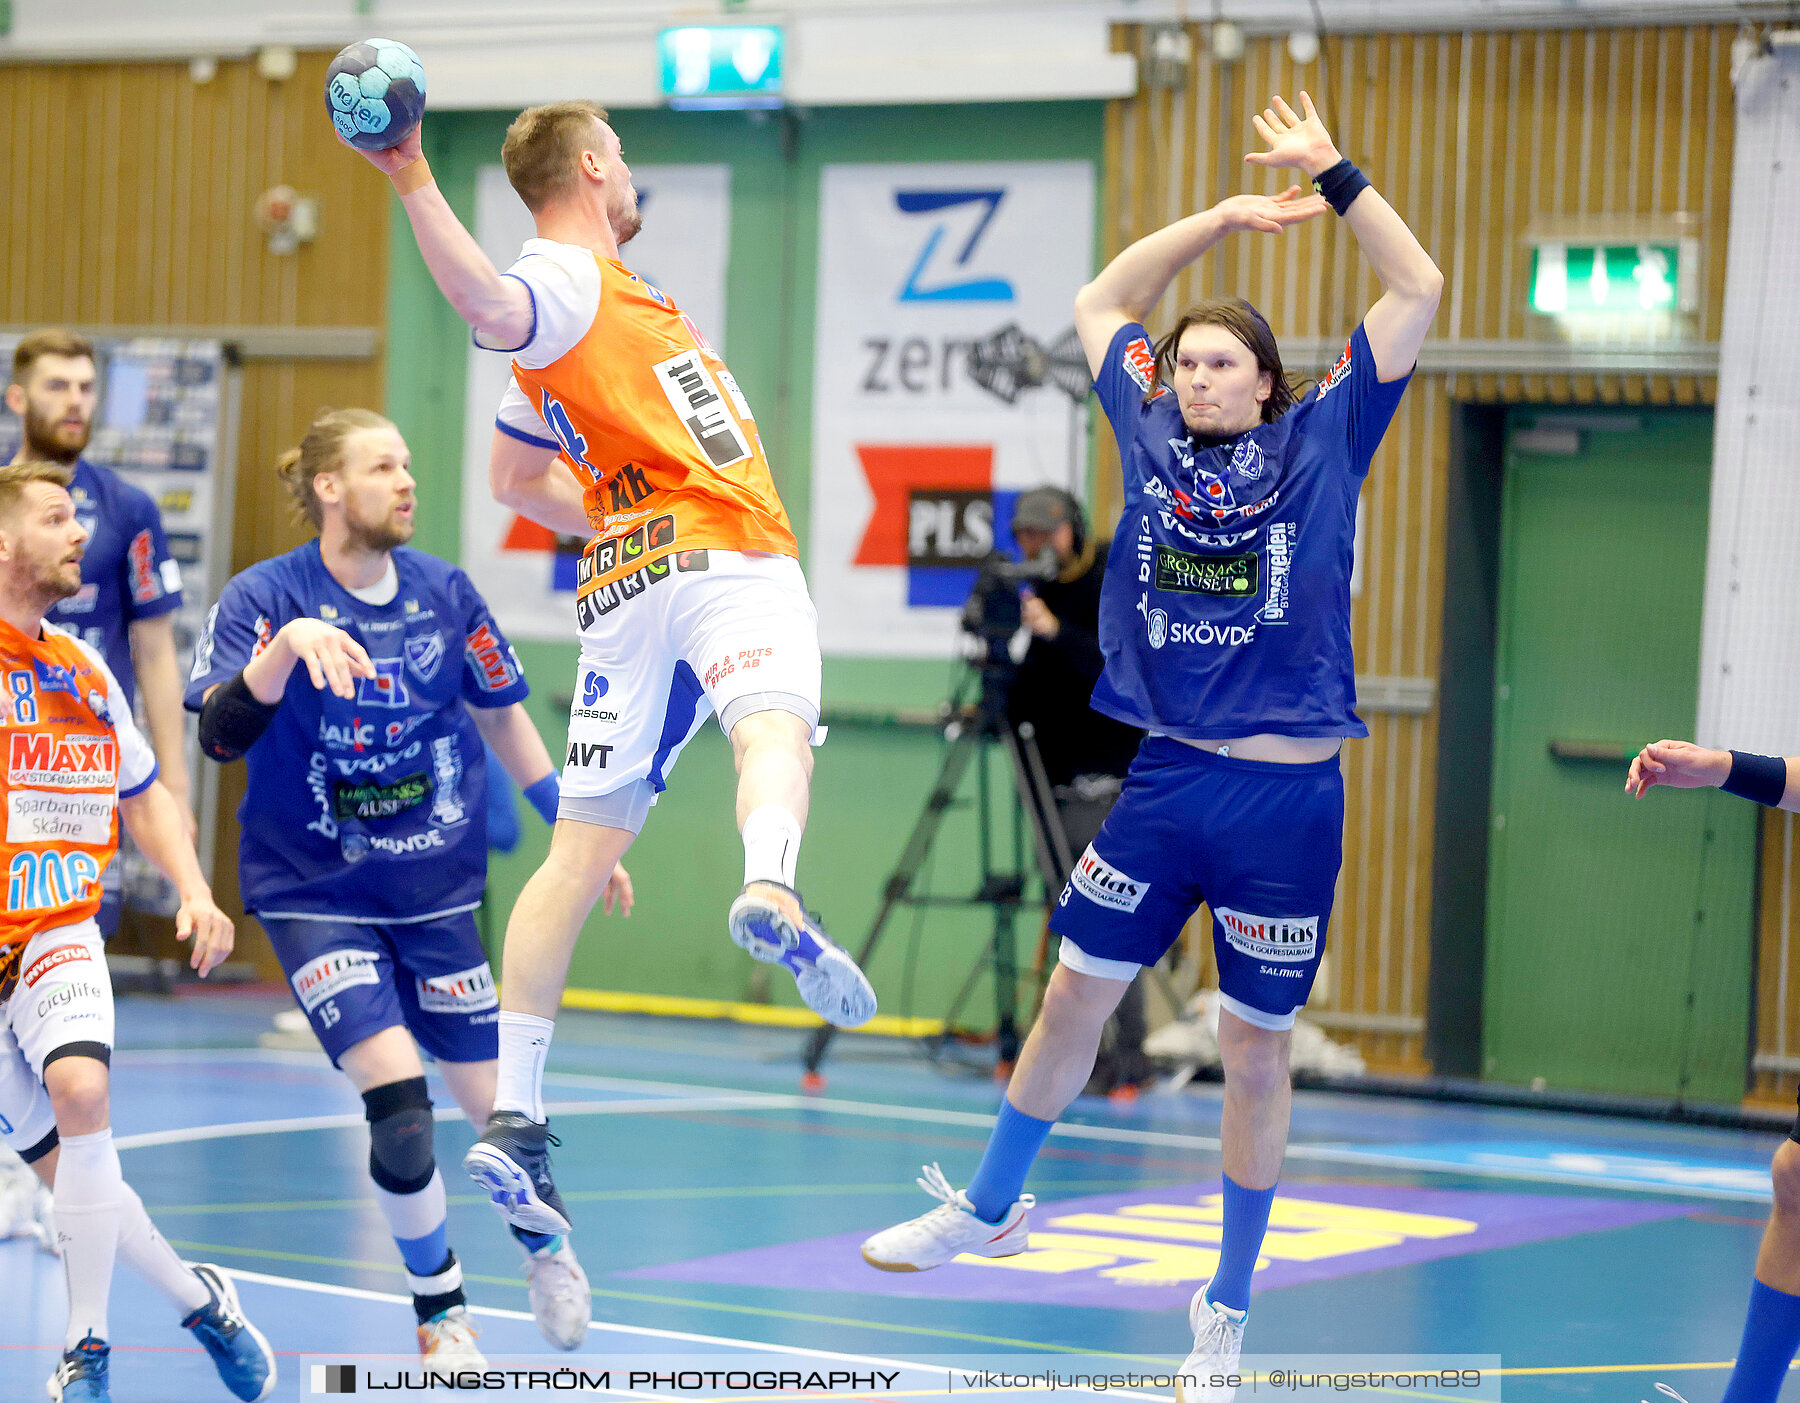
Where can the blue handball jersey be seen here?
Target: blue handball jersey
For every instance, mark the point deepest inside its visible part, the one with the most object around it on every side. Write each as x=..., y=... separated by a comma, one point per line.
x=375, y=808
x=127, y=572
x=1226, y=609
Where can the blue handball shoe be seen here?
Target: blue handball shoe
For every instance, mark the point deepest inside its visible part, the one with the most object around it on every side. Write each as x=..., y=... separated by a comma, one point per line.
x=769, y=923
x=81, y=1377
x=242, y=1356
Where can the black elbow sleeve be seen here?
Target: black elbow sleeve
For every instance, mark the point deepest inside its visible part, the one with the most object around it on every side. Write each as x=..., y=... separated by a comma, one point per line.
x=232, y=720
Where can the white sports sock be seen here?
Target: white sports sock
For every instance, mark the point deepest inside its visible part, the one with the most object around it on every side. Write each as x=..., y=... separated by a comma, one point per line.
x=148, y=1253
x=414, y=1215
x=524, y=1044
x=88, y=1209
x=771, y=845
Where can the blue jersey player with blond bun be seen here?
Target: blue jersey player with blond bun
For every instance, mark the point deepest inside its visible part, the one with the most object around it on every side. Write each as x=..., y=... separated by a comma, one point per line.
x=359, y=678
x=1225, y=625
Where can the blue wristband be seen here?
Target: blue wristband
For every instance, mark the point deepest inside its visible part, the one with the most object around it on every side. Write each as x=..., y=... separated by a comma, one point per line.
x=543, y=797
x=1760, y=778
x=1341, y=185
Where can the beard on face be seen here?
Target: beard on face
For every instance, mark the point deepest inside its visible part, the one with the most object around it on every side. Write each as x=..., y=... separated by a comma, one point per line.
x=51, y=440
x=381, y=533
x=56, y=579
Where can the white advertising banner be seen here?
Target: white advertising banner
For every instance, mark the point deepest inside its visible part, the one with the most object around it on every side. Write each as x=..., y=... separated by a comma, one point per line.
x=683, y=247
x=947, y=380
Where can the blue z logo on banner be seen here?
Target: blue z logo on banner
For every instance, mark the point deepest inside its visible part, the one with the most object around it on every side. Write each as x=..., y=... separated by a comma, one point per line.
x=967, y=289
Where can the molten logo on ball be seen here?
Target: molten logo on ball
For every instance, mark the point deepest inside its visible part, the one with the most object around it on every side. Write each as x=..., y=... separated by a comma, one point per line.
x=375, y=93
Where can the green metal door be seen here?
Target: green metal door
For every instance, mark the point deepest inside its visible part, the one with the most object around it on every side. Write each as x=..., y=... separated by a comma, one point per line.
x=1619, y=930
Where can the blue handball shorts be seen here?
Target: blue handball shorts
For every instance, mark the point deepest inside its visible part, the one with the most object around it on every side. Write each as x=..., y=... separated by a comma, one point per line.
x=1259, y=843
x=429, y=977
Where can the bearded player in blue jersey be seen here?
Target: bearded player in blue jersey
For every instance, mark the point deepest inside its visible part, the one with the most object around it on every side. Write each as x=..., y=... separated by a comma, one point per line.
x=1225, y=623
x=359, y=679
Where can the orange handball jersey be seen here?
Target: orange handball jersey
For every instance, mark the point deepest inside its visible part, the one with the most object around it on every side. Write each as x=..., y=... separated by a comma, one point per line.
x=71, y=750
x=659, y=436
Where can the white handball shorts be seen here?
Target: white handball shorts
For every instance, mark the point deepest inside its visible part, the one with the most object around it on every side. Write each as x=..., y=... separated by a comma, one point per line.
x=61, y=1004
x=719, y=632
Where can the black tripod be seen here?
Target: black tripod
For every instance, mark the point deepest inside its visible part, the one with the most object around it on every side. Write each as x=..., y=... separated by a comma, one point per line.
x=974, y=731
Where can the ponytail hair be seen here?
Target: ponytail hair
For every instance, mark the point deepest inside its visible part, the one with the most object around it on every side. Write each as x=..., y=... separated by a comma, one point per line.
x=321, y=451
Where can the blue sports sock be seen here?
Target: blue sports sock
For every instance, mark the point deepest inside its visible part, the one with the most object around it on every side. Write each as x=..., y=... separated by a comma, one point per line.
x=1246, y=1221
x=1000, y=1177
x=1771, y=1335
x=424, y=1256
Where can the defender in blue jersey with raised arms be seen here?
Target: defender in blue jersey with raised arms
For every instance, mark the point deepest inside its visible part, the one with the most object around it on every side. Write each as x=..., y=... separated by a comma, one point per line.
x=1225, y=623
x=359, y=678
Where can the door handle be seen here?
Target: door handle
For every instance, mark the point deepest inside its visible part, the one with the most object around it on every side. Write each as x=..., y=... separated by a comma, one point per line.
x=1604, y=752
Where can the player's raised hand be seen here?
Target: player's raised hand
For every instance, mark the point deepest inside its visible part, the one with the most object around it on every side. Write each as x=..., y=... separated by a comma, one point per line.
x=1270, y=214
x=1294, y=140
x=407, y=150
x=1678, y=764
x=333, y=658
x=618, y=889
x=211, y=929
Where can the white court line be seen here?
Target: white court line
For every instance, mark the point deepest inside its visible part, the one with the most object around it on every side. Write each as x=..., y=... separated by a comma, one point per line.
x=350, y=1119
x=694, y=1095
x=757, y=1346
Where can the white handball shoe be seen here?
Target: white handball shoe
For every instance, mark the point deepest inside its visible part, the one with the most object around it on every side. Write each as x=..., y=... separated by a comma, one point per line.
x=928, y=1241
x=561, y=1302
x=447, y=1344
x=1218, y=1342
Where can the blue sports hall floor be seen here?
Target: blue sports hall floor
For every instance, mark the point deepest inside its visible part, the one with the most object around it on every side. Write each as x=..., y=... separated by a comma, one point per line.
x=718, y=1210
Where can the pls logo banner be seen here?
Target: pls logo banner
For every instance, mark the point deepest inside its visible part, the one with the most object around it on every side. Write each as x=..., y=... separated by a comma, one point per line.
x=522, y=569
x=946, y=382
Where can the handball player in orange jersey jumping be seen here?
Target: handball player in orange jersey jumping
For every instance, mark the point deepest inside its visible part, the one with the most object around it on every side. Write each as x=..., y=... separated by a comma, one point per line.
x=689, y=598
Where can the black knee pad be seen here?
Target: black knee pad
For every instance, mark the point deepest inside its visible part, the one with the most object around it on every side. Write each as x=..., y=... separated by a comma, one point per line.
x=400, y=1129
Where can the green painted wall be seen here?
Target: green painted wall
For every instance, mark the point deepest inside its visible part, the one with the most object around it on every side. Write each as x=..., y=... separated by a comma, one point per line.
x=871, y=780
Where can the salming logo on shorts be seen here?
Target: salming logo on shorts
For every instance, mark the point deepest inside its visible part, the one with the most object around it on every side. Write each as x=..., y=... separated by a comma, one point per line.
x=1104, y=885
x=332, y=973
x=1277, y=938
x=466, y=991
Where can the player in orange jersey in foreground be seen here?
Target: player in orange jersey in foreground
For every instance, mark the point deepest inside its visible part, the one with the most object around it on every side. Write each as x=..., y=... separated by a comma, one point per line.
x=690, y=599
x=76, y=763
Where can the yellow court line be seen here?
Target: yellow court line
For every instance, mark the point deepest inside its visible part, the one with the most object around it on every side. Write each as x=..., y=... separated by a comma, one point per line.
x=766, y=1015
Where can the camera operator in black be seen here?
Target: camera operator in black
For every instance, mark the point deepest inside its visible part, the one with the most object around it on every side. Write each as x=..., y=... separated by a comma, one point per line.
x=1085, y=754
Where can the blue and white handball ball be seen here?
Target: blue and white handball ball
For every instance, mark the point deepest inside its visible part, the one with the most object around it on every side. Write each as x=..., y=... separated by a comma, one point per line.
x=375, y=93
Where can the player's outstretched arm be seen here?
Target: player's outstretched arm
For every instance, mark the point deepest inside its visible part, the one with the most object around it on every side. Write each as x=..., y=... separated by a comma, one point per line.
x=499, y=308
x=332, y=657
x=1134, y=282
x=153, y=818
x=1396, y=325
x=1681, y=764
x=526, y=478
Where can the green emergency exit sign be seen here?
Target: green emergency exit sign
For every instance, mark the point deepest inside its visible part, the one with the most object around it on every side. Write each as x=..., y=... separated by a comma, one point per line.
x=1577, y=277
x=721, y=65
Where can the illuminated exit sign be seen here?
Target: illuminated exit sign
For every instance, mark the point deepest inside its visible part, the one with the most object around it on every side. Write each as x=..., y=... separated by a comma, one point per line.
x=1596, y=277
x=723, y=65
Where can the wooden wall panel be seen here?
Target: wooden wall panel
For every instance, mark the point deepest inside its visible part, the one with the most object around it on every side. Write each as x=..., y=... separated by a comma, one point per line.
x=130, y=192
x=1470, y=136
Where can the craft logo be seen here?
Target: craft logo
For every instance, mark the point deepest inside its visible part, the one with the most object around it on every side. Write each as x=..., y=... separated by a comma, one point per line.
x=1104, y=885
x=1275, y=938
x=1226, y=576
x=943, y=270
